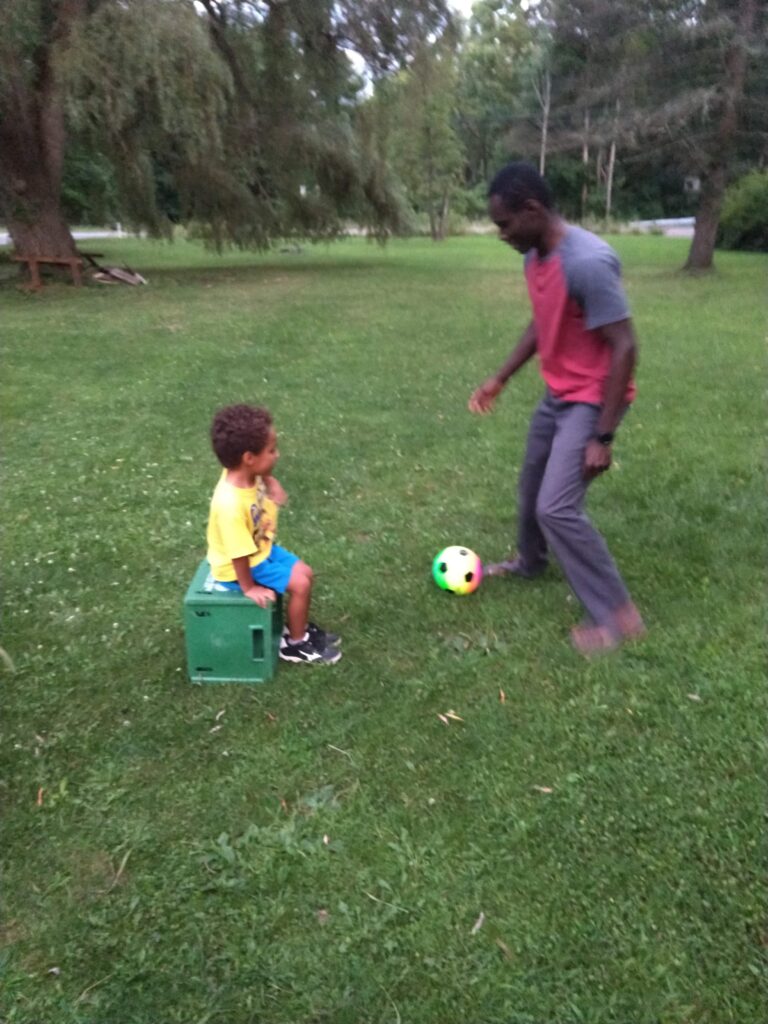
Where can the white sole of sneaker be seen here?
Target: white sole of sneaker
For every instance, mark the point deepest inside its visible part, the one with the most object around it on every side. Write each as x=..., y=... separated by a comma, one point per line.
x=297, y=660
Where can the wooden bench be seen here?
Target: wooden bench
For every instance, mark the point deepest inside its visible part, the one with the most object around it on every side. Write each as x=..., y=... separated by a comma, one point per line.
x=33, y=262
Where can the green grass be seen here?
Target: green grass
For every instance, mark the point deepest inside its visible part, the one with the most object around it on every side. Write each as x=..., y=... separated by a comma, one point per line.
x=174, y=873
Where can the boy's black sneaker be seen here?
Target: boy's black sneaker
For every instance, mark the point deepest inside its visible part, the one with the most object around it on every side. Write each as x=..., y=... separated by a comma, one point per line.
x=305, y=651
x=318, y=636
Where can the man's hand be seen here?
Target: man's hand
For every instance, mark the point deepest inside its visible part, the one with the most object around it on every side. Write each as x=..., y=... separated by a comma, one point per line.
x=275, y=491
x=483, y=399
x=597, y=458
x=260, y=595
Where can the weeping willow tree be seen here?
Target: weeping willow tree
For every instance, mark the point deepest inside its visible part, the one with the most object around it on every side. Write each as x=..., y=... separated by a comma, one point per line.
x=246, y=107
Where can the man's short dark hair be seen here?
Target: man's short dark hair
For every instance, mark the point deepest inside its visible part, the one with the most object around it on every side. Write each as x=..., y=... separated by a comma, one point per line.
x=238, y=429
x=518, y=182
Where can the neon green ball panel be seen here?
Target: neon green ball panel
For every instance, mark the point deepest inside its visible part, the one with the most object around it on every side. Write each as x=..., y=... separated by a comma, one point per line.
x=457, y=569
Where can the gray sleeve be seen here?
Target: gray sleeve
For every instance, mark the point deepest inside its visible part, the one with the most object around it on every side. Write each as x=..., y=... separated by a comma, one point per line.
x=594, y=282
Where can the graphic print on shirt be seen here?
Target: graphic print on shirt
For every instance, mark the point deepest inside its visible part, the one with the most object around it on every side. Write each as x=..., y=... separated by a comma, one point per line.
x=262, y=524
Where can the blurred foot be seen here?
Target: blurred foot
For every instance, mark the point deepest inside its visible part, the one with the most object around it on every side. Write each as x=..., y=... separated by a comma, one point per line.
x=594, y=640
x=591, y=640
x=629, y=622
x=511, y=567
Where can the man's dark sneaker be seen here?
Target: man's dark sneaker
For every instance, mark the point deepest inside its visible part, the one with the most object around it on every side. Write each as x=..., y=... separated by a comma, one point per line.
x=318, y=636
x=305, y=651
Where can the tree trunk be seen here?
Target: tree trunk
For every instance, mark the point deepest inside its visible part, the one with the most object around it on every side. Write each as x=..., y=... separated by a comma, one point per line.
x=34, y=218
x=431, y=189
x=715, y=180
x=701, y=253
x=31, y=157
x=585, y=162
x=32, y=144
x=609, y=179
x=442, y=219
x=611, y=165
x=545, y=101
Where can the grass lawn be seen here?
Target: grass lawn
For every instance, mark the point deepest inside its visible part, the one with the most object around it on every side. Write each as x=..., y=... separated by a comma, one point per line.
x=320, y=849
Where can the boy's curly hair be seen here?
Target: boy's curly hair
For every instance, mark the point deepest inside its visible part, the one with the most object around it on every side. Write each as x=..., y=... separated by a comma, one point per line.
x=238, y=429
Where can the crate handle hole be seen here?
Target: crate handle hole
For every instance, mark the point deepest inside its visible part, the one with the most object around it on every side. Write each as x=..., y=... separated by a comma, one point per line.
x=257, y=643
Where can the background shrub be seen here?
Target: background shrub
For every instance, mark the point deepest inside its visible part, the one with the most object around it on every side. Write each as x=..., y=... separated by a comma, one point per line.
x=744, y=220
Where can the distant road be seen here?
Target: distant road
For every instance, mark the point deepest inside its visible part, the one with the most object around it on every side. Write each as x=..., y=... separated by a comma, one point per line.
x=673, y=227
x=5, y=238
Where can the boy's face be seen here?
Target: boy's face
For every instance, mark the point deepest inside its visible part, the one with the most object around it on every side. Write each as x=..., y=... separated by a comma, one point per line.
x=261, y=463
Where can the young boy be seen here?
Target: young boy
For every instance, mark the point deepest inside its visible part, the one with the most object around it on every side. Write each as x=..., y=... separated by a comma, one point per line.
x=242, y=526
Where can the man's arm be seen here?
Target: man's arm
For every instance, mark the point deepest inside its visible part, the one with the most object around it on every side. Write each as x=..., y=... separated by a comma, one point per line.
x=483, y=398
x=621, y=337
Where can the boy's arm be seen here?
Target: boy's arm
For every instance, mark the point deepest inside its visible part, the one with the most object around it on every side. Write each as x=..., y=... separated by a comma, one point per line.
x=256, y=593
x=275, y=490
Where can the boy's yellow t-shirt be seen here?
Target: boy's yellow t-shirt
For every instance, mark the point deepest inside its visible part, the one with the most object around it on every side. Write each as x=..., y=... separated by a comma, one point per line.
x=242, y=521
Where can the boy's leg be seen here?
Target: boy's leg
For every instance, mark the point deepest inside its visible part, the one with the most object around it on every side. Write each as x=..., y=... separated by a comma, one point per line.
x=304, y=641
x=285, y=573
x=299, y=590
x=578, y=547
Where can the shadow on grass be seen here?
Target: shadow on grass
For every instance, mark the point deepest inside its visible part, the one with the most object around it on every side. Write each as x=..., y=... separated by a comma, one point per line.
x=245, y=273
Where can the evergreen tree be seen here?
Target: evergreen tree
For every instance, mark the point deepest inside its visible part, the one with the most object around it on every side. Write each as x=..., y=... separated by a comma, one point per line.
x=682, y=79
x=728, y=55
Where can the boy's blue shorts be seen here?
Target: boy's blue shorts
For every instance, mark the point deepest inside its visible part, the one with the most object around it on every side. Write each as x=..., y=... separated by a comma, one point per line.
x=274, y=572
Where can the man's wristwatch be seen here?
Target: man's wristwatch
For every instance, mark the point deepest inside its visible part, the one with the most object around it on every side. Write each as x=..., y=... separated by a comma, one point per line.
x=606, y=438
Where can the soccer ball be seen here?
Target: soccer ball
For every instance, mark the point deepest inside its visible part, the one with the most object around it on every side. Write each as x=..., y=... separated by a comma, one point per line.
x=457, y=569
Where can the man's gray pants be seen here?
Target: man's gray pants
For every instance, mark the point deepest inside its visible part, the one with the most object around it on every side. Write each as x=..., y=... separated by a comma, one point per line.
x=552, y=490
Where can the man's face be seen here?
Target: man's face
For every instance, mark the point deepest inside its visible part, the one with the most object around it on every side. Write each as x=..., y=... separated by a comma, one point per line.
x=521, y=228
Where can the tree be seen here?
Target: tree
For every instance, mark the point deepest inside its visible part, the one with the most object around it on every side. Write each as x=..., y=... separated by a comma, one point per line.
x=593, y=45
x=52, y=54
x=425, y=150
x=744, y=222
x=688, y=75
x=703, y=100
x=243, y=106
x=32, y=134
x=497, y=59
x=736, y=39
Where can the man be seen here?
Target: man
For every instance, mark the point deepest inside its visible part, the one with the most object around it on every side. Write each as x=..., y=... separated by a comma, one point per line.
x=583, y=336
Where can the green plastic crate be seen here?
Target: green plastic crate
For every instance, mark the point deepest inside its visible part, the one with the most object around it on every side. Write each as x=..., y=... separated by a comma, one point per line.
x=229, y=638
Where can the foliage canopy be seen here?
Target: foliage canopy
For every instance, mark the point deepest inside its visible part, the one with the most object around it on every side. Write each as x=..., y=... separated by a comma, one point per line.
x=244, y=108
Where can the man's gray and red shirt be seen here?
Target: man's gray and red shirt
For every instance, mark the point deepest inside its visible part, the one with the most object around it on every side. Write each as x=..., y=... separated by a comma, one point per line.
x=574, y=290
